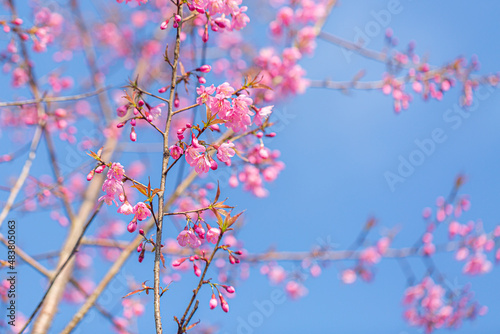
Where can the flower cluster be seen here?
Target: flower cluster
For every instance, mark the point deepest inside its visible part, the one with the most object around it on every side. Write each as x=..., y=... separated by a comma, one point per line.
x=195, y=236
x=475, y=245
x=281, y=71
x=234, y=111
x=220, y=15
x=427, y=306
x=114, y=188
x=113, y=185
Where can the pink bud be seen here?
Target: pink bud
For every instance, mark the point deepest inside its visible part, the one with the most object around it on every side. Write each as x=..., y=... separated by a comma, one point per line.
x=259, y=134
x=177, y=18
x=177, y=103
x=197, y=270
x=164, y=25
x=202, y=80
x=141, y=231
x=132, y=226
x=141, y=256
x=90, y=175
x=162, y=90
x=176, y=25
x=139, y=248
x=204, y=38
x=17, y=21
x=100, y=169
x=60, y=112
x=122, y=111
x=229, y=288
x=213, y=302
x=178, y=262
x=223, y=304
x=120, y=125
x=213, y=165
x=271, y=135
x=133, y=136
x=205, y=68
x=133, y=122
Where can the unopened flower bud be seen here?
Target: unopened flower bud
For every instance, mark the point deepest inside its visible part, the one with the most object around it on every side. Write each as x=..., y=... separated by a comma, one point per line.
x=178, y=262
x=229, y=288
x=133, y=136
x=100, y=169
x=164, y=25
x=213, y=302
x=197, y=270
x=205, y=68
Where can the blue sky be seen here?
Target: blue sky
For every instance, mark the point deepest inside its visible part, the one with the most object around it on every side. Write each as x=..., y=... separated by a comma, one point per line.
x=337, y=148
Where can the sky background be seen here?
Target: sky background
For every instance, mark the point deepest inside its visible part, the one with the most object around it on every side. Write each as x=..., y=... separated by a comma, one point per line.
x=336, y=148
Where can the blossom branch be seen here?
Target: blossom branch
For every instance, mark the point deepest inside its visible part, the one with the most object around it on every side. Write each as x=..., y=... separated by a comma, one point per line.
x=182, y=324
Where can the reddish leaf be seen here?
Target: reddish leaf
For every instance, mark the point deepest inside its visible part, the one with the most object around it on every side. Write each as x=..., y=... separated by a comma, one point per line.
x=261, y=86
x=193, y=325
x=133, y=292
x=141, y=188
x=218, y=193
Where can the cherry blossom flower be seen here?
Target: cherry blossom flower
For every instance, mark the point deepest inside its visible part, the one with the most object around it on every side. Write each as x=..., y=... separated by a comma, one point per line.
x=225, y=152
x=213, y=235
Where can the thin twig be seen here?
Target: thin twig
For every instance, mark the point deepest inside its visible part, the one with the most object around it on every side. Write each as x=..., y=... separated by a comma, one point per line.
x=54, y=99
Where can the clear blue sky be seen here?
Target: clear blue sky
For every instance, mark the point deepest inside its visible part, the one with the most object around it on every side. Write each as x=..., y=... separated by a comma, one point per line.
x=337, y=148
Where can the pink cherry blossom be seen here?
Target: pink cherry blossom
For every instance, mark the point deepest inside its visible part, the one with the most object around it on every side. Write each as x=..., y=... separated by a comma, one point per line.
x=126, y=208
x=175, y=151
x=116, y=171
x=212, y=235
x=141, y=211
x=225, y=152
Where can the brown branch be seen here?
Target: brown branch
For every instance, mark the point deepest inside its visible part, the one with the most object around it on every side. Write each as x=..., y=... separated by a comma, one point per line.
x=183, y=324
x=150, y=94
x=54, y=99
x=47, y=273
x=161, y=194
x=184, y=109
x=186, y=212
x=23, y=176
